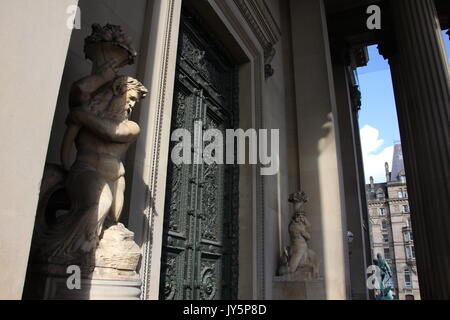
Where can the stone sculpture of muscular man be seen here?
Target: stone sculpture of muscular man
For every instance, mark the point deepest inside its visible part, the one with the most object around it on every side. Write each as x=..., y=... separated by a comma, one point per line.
x=98, y=123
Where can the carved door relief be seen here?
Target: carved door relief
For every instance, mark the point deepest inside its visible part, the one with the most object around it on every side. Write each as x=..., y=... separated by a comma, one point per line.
x=199, y=259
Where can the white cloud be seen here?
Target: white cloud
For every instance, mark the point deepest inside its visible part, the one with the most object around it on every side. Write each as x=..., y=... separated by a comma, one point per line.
x=374, y=159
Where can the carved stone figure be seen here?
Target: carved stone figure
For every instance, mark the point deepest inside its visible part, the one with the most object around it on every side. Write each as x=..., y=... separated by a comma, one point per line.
x=81, y=202
x=298, y=256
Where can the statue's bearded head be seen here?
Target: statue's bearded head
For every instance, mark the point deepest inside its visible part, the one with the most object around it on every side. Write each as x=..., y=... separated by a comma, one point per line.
x=127, y=92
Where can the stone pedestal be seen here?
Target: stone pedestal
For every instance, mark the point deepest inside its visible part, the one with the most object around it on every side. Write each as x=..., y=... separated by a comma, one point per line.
x=284, y=288
x=106, y=274
x=91, y=289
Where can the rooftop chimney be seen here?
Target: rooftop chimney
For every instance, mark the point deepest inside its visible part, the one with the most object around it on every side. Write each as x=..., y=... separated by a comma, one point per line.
x=388, y=174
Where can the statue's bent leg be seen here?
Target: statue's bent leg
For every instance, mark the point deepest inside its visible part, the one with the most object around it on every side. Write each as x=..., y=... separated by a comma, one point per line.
x=118, y=197
x=314, y=263
x=294, y=262
x=298, y=256
x=91, y=200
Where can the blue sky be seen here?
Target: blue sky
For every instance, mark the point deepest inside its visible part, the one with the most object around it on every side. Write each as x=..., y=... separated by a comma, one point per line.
x=378, y=117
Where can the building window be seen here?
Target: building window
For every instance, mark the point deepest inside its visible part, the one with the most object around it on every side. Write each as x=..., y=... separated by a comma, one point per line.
x=380, y=196
x=403, y=194
x=385, y=238
x=408, y=281
x=382, y=211
x=409, y=297
x=408, y=236
x=387, y=253
x=384, y=224
x=410, y=254
x=408, y=223
x=405, y=209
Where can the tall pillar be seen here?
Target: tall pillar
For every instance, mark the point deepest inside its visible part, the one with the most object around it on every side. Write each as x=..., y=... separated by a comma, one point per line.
x=319, y=157
x=346, y=99
x=420, y=75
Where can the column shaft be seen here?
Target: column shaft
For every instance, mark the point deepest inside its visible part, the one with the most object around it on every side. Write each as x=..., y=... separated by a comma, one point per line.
x=318, y=132
x=351, y=181
x=420, y=74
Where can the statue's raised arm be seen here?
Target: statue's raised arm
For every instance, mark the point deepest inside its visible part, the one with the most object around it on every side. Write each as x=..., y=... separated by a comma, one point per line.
x=109, y=49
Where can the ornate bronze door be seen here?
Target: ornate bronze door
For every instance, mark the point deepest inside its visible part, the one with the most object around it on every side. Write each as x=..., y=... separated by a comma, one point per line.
x=199, y=260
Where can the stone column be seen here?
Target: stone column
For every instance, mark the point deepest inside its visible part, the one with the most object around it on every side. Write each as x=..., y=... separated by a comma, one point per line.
x=147, y=193
x=420, y=75
x=319, y=153
x=355, y=207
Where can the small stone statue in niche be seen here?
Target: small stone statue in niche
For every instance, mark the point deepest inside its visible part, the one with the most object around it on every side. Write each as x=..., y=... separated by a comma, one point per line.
x=298, y=256
x=99, y=126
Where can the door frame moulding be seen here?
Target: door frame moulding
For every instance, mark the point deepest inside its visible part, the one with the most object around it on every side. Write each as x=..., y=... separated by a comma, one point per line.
x=256, y=32
x=147, y=196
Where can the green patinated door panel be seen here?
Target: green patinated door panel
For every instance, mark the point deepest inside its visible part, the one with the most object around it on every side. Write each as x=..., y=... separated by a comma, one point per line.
x=199, y=259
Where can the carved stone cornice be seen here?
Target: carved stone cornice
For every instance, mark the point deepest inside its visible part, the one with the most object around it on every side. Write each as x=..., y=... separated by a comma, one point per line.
x=355, y=95
x=261, y=21
x=344, y=53
x=361, y=56
x=387, y=46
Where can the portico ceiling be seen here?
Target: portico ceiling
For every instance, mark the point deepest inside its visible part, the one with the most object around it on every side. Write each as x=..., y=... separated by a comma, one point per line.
x=337, y=6
x=347, y=19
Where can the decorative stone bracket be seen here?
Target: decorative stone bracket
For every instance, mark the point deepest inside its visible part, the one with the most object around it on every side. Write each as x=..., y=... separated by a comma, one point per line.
x=259, y=18
x=268, y=57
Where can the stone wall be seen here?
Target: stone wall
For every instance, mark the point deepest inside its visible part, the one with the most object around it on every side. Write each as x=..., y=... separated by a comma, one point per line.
x=35, y=37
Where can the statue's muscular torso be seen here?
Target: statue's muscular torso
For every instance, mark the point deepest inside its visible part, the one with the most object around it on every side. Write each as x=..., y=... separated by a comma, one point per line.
x=99, y=155
x=102, y=141
x=299, y=230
